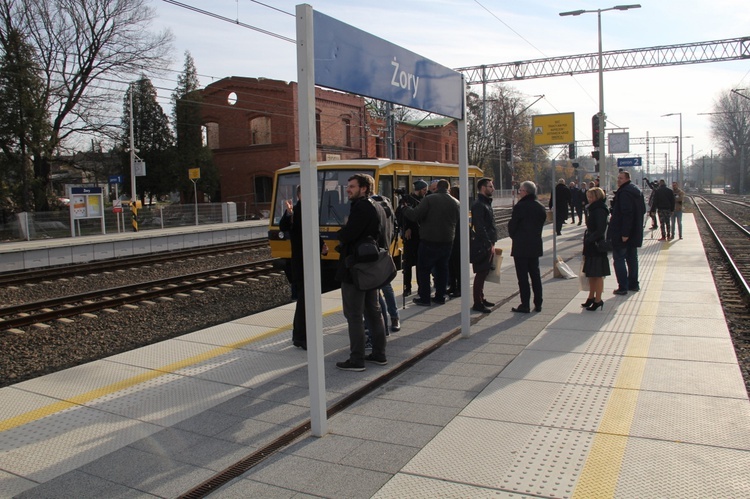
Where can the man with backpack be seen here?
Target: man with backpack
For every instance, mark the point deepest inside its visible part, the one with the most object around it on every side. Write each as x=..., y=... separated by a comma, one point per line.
x=365, y=222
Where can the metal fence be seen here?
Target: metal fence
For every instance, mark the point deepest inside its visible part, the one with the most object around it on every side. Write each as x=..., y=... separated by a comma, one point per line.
x=56, y=224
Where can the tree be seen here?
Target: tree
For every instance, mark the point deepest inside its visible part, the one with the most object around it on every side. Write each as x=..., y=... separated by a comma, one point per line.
x=78, y=43
x=493, y=123
x=730, y=127
x=24, y=123
x=152, y=137
x=188, y=125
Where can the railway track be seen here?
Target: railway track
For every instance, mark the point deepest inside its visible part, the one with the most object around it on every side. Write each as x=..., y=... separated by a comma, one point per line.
x=732, y=239
x=45, y=311
x=48, y=273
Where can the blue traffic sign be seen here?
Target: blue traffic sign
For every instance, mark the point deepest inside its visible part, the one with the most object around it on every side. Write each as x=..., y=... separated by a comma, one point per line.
x=629, y=162
x=115, y=179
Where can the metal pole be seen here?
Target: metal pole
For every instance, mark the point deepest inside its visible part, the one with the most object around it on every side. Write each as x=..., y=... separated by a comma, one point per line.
x=133, y=197
x=679, y=155
x=602, y=156
x=195, y=199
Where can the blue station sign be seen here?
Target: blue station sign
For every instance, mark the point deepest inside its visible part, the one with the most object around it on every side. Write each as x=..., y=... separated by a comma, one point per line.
x=352, y=60
x=115, y=179
x=624, y=162
x=85, y=190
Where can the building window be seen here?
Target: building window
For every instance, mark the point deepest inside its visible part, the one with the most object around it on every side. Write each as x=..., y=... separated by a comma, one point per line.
x=318, y=138
x=411, y=150
x=453, y=152
x=211, y=135
x=260, y=130
x=446, y=156
x=347, y=133
x=263, y=188
x=379, y=147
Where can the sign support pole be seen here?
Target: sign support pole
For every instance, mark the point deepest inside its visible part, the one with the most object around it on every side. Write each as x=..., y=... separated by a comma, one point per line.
x=463, y=181
x=310, y=224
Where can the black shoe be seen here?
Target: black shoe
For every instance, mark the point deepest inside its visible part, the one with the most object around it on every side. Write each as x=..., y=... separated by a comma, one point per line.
x=299, y=344
x=487, y=303
x=407, y=291
x=588, y=302
x=559, y=233
x=595, y=305
x=348, y=365
x=455, y=294
x=420, y=302
x=395, y=324
x=579, y=223
x=481, y=308
x=537, y=308
x=634, y=288
x=620, y=292
x=381, y=361
x=439, y=301
x=521, y=309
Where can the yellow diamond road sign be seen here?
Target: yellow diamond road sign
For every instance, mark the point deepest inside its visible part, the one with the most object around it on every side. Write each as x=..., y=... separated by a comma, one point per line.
x=553, y=129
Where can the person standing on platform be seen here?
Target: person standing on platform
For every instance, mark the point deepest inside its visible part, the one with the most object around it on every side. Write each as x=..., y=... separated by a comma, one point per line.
x=364, y=222
x=437, y=215
x=679, y=198
x=562, y=200
x=577, y=202
x=454, y=263
x=483, y=220
x=664, y=201
x=525, y=229
x=626, y=233
x=410, y=232
x=291, y=223
x=596, y=263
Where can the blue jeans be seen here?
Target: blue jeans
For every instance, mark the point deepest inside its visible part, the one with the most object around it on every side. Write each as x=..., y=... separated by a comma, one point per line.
x=358, y=305
x=677, y=222
x=625, y=261
x=433, y=255
x=388, y=302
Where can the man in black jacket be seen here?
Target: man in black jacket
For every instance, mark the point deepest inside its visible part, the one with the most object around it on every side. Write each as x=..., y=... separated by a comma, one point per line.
x=291, y=223
x=525, y=229
x=364, y=221
x=664, y=202
x=483, y=220
x=410, y=232
x=626, y=233
x=562, y=201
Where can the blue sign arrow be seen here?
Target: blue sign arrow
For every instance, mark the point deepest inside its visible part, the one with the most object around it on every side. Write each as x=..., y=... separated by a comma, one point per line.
x=629, y=162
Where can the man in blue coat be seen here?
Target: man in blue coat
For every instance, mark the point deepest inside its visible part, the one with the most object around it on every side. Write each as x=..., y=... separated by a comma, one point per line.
x=626, y=233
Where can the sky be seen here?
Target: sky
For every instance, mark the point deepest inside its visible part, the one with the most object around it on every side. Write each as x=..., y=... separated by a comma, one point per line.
x=463, y=33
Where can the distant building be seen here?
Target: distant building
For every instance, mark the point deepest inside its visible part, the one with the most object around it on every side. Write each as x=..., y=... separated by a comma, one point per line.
x=251, y=127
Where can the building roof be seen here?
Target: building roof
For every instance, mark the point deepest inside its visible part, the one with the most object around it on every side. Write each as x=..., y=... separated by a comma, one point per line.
x=430, y=123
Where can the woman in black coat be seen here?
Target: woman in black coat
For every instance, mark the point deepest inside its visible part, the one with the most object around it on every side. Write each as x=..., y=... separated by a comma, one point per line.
x=596, y=263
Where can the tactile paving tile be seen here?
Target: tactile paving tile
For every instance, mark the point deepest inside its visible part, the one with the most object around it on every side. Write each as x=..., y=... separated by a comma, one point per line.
x=45, y=448
x=165, y=400
x=696, y=378
x=419, y=487
x=697, y=349
x=690, y=326
x=654, y=468
x=685, y=418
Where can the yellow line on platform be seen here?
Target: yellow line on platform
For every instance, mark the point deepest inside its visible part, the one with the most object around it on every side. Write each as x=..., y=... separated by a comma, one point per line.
x=84, y=398
x=601, y=471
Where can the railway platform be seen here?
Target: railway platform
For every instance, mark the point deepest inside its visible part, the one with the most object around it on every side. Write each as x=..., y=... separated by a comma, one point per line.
x=25, y=255
x=641, y=399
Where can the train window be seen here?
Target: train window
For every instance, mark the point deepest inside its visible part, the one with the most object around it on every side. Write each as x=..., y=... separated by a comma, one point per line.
x=385, y=186
x=285, y=190
x=334, y=202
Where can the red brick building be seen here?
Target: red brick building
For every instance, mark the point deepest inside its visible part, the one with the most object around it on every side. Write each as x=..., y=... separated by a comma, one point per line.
x=252, y=129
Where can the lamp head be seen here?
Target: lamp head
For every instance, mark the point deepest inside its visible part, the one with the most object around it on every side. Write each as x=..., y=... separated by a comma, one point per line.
x=627, y=7
x=573, y=13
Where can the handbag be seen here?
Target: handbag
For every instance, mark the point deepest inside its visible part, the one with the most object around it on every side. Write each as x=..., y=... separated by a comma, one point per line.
x=583, y=281
x=374, y=274
x=479, y=248
x=603, y=246
x=497, y=262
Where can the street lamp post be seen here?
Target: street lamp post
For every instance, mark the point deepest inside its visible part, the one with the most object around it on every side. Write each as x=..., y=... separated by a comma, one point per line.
x=679, y=148
x=602, y=158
